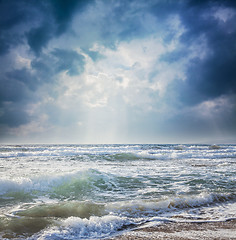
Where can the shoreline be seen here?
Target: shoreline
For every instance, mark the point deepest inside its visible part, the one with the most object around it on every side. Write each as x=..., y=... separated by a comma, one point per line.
x=183, y=231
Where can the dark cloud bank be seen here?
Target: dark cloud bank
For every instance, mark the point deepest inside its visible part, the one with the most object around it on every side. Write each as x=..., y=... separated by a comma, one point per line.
x=34, y=24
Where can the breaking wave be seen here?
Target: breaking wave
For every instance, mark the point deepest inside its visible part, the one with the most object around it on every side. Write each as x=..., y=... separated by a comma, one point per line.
x=90, y=220
x=121, y=152
x=158, y=206
x=64, y=186
x=93, y=228
x=93, y=192
x=132, y=208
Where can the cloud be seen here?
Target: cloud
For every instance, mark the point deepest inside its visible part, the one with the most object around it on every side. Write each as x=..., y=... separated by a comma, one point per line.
x=214, y=75
x=38, y=22
x=108, y=23
x=39, y=37
x=12, y=15
x=69, y=60
x=117, y=70
x=17, y=89
x=13, y=115
x=207, y=49
x=55, y=19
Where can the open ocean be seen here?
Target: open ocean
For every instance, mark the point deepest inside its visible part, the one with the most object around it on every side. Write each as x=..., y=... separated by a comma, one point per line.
x=56, y=192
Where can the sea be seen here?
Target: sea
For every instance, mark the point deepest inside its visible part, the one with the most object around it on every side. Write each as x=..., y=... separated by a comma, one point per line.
x=55, y=192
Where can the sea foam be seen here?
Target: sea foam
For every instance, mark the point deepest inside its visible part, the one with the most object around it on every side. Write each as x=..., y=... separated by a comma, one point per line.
x=61, y=185
x=76, y=228
x=95, y=191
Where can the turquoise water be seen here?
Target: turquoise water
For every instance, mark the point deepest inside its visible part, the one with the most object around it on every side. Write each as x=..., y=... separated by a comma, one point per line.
x=96, y=191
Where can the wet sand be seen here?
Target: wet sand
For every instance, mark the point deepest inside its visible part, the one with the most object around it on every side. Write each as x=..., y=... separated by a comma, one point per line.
x=183, y=231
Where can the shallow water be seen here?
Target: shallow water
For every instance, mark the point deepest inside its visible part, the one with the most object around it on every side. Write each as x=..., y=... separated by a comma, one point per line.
x=95, y=191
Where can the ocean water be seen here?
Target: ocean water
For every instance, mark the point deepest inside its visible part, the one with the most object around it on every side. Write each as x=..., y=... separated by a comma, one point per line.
x=56, y=192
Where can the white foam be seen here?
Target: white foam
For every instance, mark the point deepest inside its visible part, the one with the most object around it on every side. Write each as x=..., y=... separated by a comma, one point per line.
x=19, y=184
x=169, y=205
x=93, y=228
x=88, y=178
x=168, y=179
x=161, y=152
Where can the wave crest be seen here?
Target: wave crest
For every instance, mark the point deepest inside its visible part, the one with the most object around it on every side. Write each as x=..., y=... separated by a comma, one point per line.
x=94, y=227
x=68, y=185
x=63, y=210
x=158, y=206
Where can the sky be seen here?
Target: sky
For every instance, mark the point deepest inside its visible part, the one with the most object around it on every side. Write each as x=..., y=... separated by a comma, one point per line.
x=117, y=71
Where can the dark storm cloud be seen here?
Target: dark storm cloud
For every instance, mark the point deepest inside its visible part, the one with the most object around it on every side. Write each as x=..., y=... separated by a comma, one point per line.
x=211, y=78
x=215, y=75
x=17, y=90
x=34, y=23
x=63, y=12
x=25, y=77
x=39, y=37
x=38, y=21
x=56, y=18
x=14, y=87
x=12, y=14
x=14, y=114
x=162, y=9
x=18, y=87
